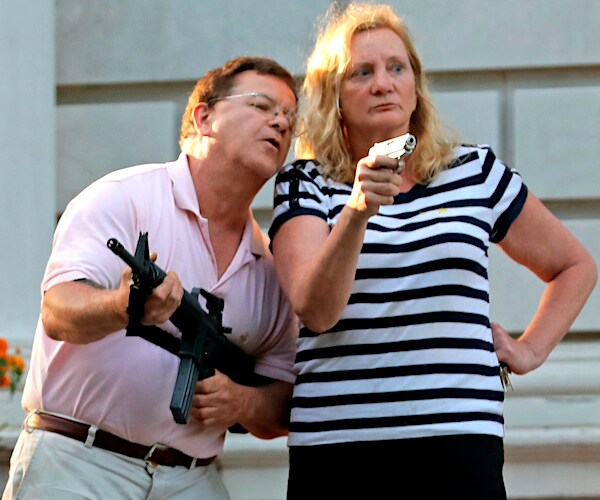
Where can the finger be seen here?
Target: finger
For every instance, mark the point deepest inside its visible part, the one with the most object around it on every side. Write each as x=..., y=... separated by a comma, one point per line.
x=164, y=300
x=211, y=384
x=380, y=162
x=504, y=348
x=127, y=277
x=379, y=193
x=498, y=332
x=204, y=387
x=170, y=289
x=378, y=175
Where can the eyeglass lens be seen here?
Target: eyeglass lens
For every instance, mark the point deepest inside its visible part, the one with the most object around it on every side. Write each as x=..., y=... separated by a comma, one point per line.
x=270, y=106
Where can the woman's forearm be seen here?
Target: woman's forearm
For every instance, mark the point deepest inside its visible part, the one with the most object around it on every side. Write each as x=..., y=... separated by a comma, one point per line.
x=318, y=273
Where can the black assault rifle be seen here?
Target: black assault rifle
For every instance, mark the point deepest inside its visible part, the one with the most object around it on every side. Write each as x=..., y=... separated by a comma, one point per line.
x=203, y=346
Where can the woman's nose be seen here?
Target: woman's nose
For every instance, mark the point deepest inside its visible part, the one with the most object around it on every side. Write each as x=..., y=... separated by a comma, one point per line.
x=382, y=82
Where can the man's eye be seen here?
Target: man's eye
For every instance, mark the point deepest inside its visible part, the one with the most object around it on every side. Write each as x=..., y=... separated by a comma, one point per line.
x=263, y=104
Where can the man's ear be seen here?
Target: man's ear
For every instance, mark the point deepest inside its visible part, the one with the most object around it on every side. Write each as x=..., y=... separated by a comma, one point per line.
x=201, y=115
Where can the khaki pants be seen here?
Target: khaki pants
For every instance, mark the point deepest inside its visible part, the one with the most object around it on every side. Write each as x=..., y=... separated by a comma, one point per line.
x=48, y=465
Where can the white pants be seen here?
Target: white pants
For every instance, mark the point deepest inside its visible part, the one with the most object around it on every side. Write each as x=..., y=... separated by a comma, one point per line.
x=46, y=465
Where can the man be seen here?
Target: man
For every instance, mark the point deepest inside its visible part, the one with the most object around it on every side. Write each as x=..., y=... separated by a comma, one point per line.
x=99, y=423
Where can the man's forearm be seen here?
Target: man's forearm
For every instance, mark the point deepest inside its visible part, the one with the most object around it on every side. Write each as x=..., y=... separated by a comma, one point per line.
x=268, y=412
x=79, y=313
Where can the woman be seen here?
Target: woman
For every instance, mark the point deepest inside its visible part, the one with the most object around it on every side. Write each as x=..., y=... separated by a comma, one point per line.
x=398, y=385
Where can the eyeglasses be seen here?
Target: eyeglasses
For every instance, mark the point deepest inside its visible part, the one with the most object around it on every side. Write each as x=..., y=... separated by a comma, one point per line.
x=267, y=105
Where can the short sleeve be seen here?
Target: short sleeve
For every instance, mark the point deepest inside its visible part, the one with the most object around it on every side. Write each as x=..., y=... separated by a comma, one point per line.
x=103, y=210
x=299, y=190
x=508, y=197
x=279, y=346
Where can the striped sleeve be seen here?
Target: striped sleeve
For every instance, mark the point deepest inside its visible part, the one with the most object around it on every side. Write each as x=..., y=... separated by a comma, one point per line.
x=299, y=190
x=508, y=197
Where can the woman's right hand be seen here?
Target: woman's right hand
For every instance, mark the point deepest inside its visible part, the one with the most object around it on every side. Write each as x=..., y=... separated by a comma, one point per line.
x=375, y=184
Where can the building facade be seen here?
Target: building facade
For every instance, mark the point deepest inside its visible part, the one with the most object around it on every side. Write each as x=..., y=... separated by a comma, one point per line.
x=89, y=87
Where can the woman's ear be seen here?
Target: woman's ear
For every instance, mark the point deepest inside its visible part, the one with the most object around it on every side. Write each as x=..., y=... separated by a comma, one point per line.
x=201, y=114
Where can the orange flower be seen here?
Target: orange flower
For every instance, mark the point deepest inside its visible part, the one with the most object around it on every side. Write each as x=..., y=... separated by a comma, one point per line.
x=12, y=367
x=17, y=363
x=3, y=346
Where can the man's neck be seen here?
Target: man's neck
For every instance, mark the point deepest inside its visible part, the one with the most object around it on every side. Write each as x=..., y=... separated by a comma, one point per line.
x=223, y=199
x=225, y=202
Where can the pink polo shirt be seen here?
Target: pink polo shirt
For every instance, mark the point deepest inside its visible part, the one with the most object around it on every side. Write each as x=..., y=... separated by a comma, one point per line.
x=124, y=384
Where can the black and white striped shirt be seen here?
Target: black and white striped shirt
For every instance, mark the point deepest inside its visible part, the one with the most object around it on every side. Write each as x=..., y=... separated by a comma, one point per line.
x=412, y=354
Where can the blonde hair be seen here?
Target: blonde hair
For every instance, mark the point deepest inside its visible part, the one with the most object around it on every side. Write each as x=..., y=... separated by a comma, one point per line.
x=321, y=135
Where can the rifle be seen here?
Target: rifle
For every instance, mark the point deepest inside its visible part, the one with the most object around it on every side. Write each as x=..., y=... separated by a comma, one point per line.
x=203, y=346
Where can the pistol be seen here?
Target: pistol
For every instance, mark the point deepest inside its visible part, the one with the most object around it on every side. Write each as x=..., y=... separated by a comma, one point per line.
x=398, y=147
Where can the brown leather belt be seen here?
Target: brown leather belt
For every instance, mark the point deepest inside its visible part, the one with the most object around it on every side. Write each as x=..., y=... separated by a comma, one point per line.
x=107, y=441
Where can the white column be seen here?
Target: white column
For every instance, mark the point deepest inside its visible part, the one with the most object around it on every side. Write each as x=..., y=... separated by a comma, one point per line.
x=27, y=161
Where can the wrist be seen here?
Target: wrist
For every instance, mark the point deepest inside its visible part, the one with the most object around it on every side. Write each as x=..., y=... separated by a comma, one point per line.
x=119, y=309
x=356, y=216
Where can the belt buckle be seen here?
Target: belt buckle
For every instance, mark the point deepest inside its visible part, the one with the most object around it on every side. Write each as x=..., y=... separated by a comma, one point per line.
x=34, y=414
x=153, y=448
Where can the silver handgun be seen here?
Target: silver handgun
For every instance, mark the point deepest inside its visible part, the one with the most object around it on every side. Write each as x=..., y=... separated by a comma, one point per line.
x=398, y=147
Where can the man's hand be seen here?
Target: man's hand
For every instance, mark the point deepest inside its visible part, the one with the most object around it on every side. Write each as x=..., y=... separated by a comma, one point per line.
x=163, y=301
x=219, y=402
x=264, y=411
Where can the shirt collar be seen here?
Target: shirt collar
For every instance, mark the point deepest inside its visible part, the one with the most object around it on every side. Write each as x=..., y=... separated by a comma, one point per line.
x=187, y=199
x=260, y=241
x=183, y=185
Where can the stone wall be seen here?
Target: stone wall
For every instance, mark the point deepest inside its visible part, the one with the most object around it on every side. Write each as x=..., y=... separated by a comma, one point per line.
x=101, y=84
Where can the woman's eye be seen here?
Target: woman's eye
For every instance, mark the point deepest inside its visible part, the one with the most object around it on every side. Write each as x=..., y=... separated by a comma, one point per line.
x=360, y=73
x=397, y=68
